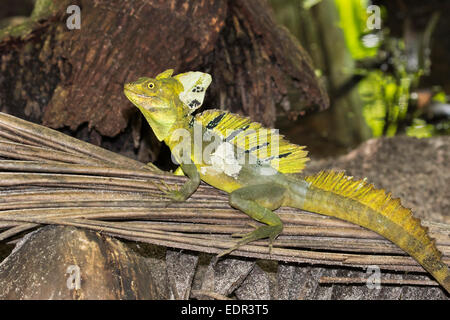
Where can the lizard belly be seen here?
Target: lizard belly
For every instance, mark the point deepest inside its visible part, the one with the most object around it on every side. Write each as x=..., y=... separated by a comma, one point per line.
x=218, y=178
x=247, y=176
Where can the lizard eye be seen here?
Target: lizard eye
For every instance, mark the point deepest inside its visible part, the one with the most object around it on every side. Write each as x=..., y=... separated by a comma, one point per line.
x=151, y=85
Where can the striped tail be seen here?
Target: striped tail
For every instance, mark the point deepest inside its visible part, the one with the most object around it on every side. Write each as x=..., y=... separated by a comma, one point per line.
x=337, y=195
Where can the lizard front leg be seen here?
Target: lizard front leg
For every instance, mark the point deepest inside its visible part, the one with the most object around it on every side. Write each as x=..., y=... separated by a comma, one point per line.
x=188, y=188
x=257, y=202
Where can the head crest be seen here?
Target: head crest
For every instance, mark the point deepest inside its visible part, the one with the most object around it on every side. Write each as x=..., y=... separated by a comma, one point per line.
x=165, y=74
x=195, y=84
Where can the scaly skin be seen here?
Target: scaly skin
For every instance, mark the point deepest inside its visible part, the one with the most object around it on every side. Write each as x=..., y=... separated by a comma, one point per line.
x=262, y=182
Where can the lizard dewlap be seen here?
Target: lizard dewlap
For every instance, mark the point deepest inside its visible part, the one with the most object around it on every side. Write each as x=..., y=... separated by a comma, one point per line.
x=255, y=166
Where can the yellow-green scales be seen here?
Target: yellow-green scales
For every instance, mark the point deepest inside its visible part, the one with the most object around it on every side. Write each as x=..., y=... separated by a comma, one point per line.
x=257, y=167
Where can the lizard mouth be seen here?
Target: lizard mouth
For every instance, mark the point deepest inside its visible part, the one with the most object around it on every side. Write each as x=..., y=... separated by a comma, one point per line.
x=128, y=88
x=149, y=103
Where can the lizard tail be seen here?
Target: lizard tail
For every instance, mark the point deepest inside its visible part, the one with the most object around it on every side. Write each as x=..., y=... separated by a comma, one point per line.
x=334, y=194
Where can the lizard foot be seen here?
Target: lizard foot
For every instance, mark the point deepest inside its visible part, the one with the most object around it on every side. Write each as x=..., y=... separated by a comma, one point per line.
x=171, y=192
x=261, y=232
x=242, y=235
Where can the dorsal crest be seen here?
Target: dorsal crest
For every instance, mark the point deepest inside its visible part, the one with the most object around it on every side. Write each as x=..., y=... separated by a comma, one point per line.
x=265, y=144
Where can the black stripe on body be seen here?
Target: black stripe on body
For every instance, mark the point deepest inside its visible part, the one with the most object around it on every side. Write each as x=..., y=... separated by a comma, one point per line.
x=257, y=147
x=235, y=133
x=284, y=155
x=214, y=122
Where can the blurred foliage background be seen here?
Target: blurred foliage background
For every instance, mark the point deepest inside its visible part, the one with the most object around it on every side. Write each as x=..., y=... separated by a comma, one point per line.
x=376, y=59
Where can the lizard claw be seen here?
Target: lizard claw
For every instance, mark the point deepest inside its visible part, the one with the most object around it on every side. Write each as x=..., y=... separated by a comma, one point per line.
x=173, y=193
x=261, y=232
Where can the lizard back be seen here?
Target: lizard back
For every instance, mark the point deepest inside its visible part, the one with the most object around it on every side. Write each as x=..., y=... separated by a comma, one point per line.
x=266, y=145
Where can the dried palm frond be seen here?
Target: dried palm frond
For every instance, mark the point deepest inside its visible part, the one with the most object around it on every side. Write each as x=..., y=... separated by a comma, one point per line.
x=47, y=177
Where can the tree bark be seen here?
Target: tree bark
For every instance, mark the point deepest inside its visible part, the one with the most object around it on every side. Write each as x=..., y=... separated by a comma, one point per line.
x=69, y=78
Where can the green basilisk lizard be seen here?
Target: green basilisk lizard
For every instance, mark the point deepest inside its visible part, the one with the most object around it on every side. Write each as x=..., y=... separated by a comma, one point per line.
x=257, y=167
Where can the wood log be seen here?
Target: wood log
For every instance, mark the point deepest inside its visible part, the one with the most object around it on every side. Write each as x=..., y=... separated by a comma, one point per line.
x=63, y=263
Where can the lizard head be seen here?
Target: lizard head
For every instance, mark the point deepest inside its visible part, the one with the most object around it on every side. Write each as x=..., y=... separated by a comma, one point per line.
x=157, y=99
x=164, y=100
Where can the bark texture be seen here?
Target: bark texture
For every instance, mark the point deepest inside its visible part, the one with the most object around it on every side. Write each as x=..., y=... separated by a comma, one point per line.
x=69, y=78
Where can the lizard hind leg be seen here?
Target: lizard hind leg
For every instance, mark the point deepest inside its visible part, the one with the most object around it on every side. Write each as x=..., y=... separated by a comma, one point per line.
x=258, y=201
